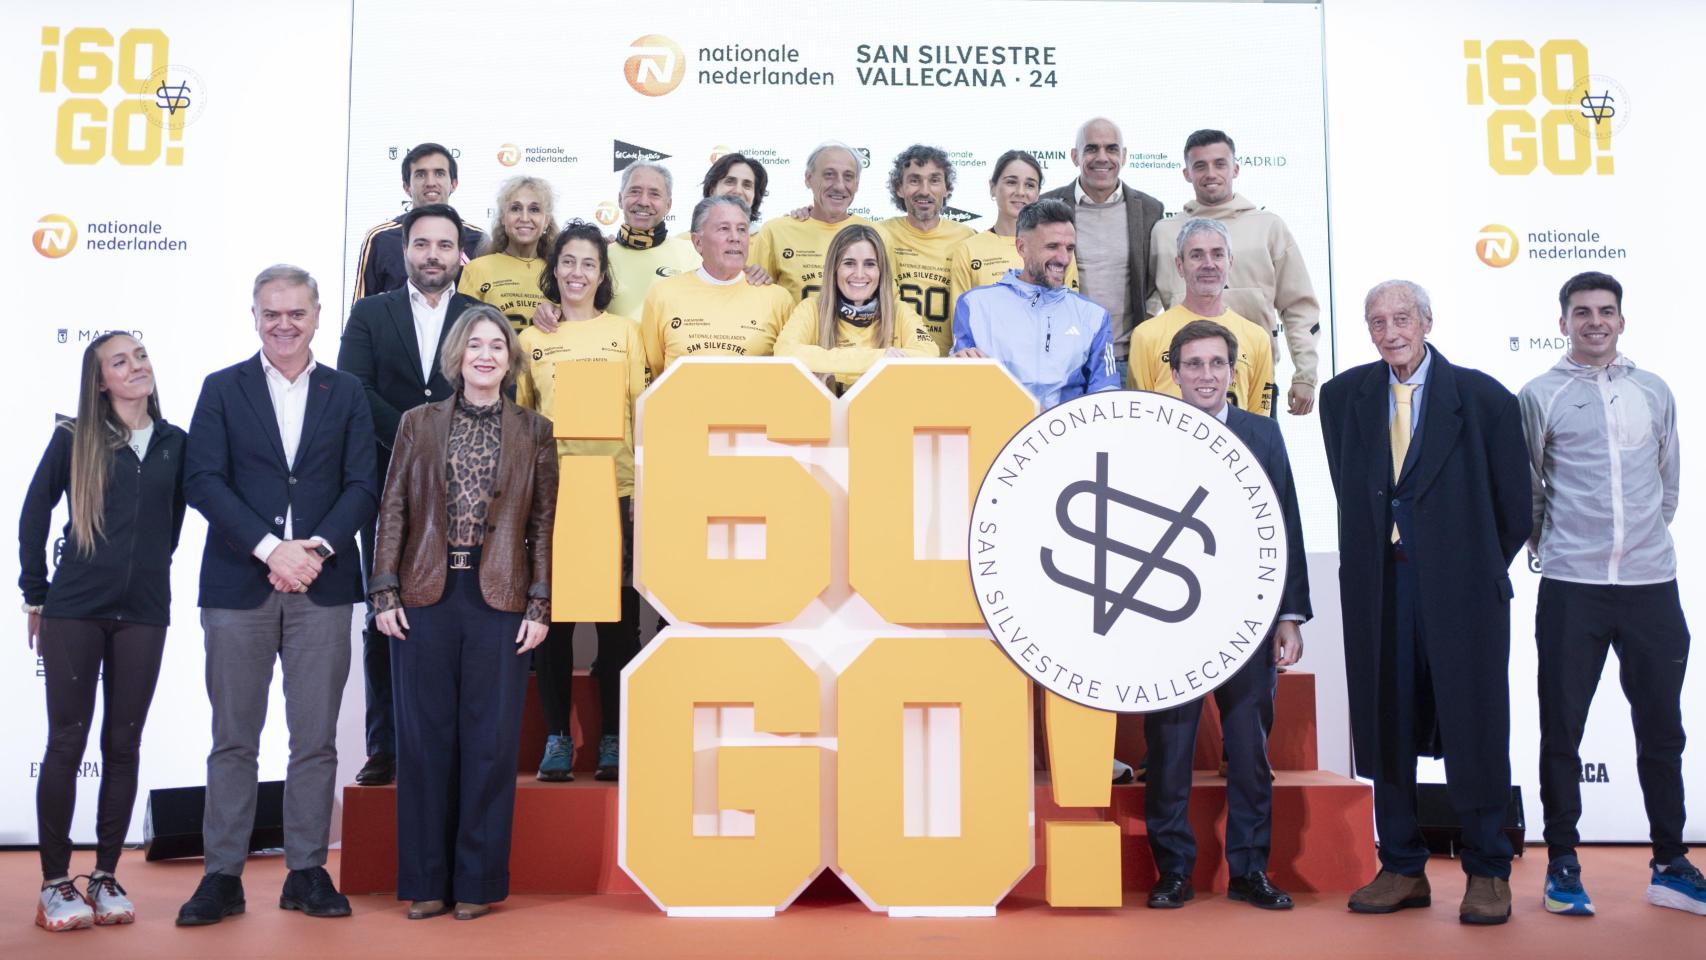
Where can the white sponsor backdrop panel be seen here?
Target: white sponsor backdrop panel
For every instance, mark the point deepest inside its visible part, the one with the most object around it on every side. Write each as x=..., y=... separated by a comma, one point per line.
x=259, y=180
x=1414, y=190
x=1141, y=64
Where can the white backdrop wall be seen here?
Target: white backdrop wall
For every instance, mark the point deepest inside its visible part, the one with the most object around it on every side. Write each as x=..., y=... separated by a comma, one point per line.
x=1413, y=189
x=260, y=180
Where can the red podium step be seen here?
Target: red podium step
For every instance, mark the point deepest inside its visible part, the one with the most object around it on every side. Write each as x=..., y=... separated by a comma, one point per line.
x=565, y=835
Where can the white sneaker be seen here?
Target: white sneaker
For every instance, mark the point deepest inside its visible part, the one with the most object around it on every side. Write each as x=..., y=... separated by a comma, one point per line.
x=110, y=904
x=1123, y=773
x=62, y=907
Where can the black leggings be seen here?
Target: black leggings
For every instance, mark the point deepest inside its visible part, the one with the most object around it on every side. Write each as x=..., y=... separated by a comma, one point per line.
x=75, y=655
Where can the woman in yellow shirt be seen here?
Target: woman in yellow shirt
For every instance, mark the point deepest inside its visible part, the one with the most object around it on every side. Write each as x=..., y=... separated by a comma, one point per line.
x=984, y=257
x=506, y=274
x=841, y=331
x=578, y=282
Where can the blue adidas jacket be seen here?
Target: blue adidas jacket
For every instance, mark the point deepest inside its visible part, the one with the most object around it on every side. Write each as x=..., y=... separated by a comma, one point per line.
x=1057, y=343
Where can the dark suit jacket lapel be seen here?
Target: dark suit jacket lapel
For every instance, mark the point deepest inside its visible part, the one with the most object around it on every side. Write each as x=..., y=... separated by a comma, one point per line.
x=252, y=381
x=319, y=394
x=1441, y=424
x=403, y=320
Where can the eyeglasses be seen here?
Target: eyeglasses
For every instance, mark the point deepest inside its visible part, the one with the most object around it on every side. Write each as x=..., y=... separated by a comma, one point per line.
x=1197, y=366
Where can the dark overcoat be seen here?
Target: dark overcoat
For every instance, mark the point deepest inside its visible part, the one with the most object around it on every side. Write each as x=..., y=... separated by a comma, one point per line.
x=1463, y=500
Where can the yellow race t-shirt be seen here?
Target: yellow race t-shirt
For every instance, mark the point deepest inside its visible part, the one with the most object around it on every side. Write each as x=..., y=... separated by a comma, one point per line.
x=792, y=252
x=688, y=315
x=1252, y=386
x=606, y=338
x=509, y=283
x=632, y=272
x=919, y=263
x=982, y=259
x=856, y=348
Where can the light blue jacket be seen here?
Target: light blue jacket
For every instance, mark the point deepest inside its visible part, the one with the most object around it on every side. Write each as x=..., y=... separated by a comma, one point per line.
x=1057, y=343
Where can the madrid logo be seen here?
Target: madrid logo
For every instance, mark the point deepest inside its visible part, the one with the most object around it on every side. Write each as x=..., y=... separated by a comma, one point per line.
x=1127, y=551
x=656, y=65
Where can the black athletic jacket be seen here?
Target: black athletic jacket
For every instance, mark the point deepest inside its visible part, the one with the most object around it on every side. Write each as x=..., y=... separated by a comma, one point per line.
x=128, y=577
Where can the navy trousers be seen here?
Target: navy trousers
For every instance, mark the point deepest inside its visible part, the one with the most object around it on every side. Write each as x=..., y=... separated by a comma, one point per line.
x=459, y=687
x=376, y=670
x=1245, y=700
x=1486, y=850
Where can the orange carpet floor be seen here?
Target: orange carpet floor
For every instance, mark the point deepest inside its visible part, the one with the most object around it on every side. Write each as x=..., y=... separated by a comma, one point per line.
x=828, y=922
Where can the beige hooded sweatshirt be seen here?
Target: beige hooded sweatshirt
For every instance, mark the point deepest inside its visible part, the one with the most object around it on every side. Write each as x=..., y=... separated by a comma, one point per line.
x=1269, y=282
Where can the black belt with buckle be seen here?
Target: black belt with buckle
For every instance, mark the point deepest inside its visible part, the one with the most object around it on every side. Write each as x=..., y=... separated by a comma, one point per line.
x=461, y=559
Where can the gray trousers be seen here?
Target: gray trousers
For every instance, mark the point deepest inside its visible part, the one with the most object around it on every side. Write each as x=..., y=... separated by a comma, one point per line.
x=313, y=642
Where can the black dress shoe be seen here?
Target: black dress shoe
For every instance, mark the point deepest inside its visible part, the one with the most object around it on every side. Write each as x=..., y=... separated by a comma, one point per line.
x=379, y=770
x=218, y=896
x=1171, y=892
x=1259, y=891
x=311, y=891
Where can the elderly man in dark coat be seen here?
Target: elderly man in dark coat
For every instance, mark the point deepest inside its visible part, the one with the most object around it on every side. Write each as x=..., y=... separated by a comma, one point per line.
x=1427, y=464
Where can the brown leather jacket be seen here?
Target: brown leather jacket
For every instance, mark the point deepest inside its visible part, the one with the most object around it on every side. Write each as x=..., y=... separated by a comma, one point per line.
x=411, y=549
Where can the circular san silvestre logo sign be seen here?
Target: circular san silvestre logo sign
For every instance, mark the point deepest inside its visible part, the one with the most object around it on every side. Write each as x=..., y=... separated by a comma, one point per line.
x=1128, y=550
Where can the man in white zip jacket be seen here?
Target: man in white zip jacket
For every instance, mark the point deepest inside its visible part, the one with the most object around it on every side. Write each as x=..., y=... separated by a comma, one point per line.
x=1602, y=448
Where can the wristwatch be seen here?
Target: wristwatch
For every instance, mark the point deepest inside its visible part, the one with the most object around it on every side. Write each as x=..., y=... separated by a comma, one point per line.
x=321, y=550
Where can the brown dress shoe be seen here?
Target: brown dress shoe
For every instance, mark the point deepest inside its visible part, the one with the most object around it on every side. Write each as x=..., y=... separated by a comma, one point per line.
x=422, y=909
x=472, y=911
x=1487, y=900
x=1390, y=892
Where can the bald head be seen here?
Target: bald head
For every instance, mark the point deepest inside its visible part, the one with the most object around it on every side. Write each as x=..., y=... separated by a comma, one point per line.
x=1099, y=154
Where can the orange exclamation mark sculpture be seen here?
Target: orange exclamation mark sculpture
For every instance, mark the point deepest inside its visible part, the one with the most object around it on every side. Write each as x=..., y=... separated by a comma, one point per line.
x=1083, y=856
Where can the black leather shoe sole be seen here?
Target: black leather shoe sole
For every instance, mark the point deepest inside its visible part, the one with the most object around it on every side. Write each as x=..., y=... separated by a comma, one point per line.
x=203, y=920
x=377, y=778
x=289, y=903
x=1265, y=903
x=1394, y=908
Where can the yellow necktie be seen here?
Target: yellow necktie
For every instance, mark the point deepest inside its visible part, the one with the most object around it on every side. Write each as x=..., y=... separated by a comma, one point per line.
x=1400, y=432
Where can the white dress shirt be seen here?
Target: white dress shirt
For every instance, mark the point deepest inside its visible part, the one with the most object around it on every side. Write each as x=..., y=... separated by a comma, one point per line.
x=289, y=406
x=429, y=324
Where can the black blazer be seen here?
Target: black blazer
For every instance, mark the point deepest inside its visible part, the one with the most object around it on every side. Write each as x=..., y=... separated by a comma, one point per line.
x=129, y=575
x=238, y=479
x=1463, y=504
x=380, y=349
x=1262, y=436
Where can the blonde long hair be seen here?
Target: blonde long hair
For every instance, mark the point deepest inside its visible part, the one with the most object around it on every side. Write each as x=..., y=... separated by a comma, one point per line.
x=829, y=297
x=95, y=435
x=497, y=238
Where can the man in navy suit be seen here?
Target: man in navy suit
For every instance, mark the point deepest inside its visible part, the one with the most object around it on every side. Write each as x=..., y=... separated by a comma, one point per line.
x=1201, y=357
x=391, y=344
x=1432, y=479
x=280, y=462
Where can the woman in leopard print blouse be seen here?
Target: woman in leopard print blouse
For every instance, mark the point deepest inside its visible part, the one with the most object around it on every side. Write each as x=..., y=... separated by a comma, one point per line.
x=461, y=583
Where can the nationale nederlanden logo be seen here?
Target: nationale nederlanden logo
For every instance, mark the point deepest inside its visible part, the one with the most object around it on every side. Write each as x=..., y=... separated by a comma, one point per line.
x=656, y=65
x=1497, y=245
x=1127, y=551
x=55, y=236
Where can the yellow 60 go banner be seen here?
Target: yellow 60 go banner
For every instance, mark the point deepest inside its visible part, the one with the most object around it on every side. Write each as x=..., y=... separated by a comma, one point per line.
x=827, y=677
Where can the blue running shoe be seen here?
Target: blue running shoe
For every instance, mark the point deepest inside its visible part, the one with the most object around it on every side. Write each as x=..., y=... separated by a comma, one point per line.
x=1564, y=892
x=558, y=764
x=1678, y=886
x=609, y=757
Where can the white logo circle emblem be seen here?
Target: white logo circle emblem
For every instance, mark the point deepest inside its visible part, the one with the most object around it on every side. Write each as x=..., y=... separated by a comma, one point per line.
x=1128, y=551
